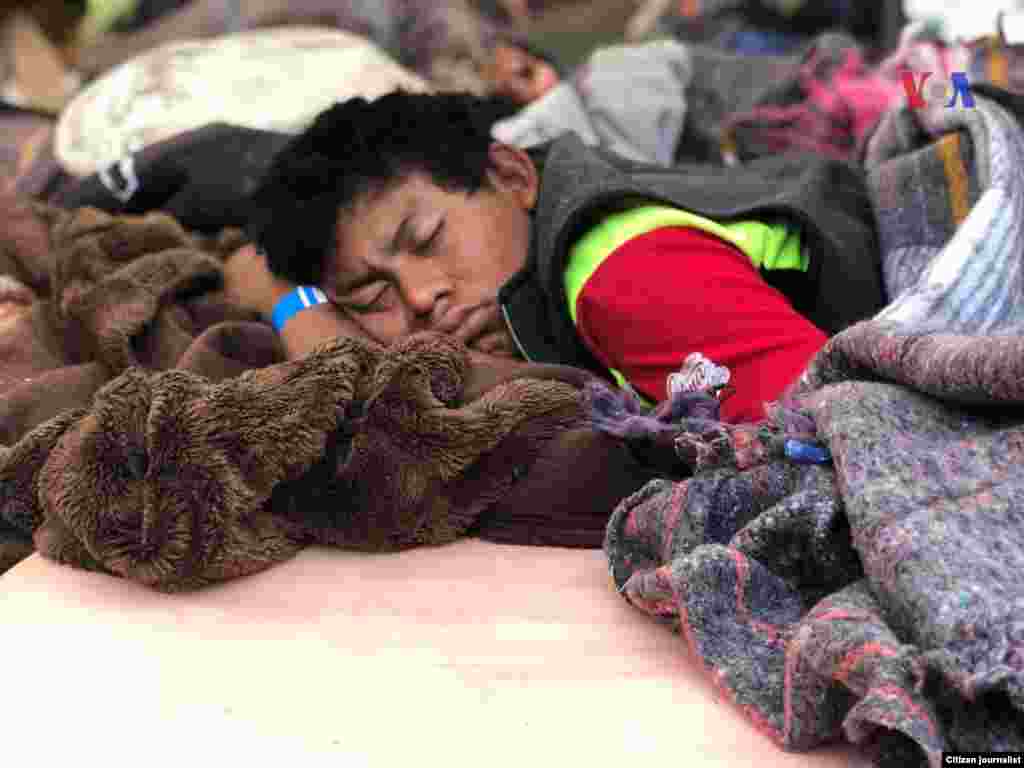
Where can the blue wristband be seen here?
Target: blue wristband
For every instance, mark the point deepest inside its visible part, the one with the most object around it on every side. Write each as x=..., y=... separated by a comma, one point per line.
x=303, y=297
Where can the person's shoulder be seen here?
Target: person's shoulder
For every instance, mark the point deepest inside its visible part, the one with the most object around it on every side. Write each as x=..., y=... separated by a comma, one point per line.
x=568, y=149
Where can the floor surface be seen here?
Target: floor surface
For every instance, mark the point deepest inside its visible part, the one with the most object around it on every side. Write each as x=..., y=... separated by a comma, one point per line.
x=470, y=654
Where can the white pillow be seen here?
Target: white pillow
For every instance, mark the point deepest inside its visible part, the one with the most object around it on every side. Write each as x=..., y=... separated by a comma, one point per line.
x=270, y=79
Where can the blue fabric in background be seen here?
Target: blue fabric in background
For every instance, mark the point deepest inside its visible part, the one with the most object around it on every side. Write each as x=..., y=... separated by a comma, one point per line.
x=764, y=42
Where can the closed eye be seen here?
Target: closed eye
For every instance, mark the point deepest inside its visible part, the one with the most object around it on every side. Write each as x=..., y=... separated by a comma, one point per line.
x=367, y=299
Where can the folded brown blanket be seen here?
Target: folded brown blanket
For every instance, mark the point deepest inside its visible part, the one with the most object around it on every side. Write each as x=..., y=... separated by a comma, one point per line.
x=156, y=432
x=112, y=292
x=175, y=481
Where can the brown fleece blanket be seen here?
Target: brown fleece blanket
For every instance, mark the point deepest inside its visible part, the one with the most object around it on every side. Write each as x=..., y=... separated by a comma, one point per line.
x=150, y=429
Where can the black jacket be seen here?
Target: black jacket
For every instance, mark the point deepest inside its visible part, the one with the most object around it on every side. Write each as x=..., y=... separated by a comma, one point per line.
x=579, y=185
x=202, y=177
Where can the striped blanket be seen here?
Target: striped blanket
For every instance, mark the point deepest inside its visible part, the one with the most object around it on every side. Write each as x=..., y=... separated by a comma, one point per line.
x=879, y=597
x=951, y=217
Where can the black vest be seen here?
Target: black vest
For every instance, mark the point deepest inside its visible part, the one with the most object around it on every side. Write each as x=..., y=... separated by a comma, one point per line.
x=579, y=185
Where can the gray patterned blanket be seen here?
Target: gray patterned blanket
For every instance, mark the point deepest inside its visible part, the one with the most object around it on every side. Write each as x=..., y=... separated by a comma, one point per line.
x=879, y=597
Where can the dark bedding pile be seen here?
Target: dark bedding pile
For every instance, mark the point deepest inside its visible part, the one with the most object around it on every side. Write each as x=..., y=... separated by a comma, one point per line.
x=878, y=597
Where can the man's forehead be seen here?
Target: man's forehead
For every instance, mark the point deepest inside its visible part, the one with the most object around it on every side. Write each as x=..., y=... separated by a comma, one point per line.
x=383, y=208
x=367, y=229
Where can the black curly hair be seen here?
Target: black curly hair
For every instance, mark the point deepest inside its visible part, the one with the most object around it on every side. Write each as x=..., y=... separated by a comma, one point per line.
x=355, y=147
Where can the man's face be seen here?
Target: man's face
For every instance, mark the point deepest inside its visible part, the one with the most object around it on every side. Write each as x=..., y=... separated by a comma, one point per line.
x=519, y=75
x=414, y=256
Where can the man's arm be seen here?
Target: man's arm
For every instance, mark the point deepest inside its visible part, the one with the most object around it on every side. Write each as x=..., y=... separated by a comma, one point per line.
x=311, y=327
x=250, y=284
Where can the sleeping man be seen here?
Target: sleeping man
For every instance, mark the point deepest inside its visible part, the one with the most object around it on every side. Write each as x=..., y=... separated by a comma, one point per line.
x=402, y=215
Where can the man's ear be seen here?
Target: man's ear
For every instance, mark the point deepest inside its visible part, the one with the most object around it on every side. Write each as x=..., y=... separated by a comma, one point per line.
x=511, y=170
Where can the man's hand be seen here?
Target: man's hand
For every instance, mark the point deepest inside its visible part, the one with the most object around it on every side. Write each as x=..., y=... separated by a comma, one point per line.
x=482, y=329
x=249, y=283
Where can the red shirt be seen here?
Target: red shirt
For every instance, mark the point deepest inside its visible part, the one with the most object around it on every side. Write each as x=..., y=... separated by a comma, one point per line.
x=676, y=290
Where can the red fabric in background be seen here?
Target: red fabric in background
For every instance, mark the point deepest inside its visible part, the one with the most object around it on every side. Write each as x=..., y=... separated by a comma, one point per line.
x=677, y=290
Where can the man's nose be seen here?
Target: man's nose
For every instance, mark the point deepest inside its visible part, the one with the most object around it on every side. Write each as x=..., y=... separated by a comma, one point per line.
x=427, y=293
